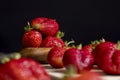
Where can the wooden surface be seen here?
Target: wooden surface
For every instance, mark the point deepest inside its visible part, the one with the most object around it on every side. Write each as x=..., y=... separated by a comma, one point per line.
x=58, y=74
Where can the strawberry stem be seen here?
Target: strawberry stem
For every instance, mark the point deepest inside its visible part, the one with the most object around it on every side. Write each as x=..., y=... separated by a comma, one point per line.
x=96, y=42
x=118, y=45
x=15, y=55
x=5, y=59
x=60, y=34
x=28, y=27
x=102, y=40
x=79, y=46
x=70, y=42
x=71, y=70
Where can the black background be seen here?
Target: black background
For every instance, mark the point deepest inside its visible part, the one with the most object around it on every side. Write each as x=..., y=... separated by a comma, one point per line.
x=81, y=20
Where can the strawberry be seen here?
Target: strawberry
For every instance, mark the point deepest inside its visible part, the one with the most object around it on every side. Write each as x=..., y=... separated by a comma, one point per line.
x=32, y=38
x=55, y=57
x=81, y=59
x=53, y=41
x=100, y=49
x=48, y=27
x=107, y=56
x=23, y=69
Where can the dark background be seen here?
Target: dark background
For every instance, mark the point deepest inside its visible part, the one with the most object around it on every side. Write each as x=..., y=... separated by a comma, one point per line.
x=81, y=20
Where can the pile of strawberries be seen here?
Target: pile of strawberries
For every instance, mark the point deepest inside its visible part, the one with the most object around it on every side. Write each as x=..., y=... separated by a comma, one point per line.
x=45, y=33
x=37, y=30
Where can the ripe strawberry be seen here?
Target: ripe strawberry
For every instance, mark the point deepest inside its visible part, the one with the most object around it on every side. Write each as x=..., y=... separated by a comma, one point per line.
x=32, y=38
x=23, y=69
x=55, y=57
x=87, y=56
x=54, y=41
x=100, y=49
x=107, y=56
x=80, y=59
x=48, y=27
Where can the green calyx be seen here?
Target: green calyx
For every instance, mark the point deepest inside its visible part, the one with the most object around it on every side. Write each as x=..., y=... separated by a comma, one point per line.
x=69, y=44
x=28, y=27
x=7, y=58
x=60, y=34
x=118, y=45
x=15, y=55
x=96, y=42
x=79, y=46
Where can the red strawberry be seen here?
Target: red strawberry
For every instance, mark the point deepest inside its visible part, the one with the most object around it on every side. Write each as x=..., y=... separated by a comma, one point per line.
x=54, y=41
x=55, y=57
x=87, y=56
x=100, y=49
x=116, y=58
x=81, y=59
x=23, y=69
x=32, y=38
x=48, y=27
x=107, y=56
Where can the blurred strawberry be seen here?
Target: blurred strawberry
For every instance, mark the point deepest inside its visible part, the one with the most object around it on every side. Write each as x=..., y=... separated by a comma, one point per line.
x=23, y=69
x=86, y=75
x=48, y=27
x=55, y=57
x=89, y=76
